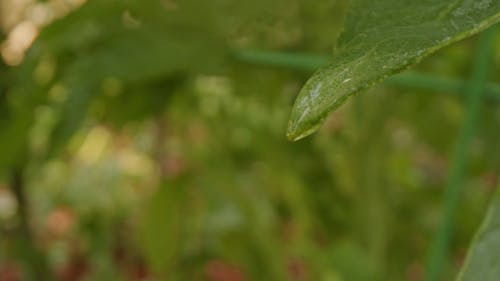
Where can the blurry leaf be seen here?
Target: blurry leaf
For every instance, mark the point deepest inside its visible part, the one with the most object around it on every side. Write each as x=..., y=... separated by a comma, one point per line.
x=162, y=43
x=163, y=226
x=483, y=260
x=380, y=39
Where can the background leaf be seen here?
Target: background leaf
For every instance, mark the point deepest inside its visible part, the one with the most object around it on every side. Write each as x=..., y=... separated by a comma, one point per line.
x=483, y=260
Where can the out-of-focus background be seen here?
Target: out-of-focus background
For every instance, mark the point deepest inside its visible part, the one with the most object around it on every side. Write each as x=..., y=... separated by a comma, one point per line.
x=145, y=140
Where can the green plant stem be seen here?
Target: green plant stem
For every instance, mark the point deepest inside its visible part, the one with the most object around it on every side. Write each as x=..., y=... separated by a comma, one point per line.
x=416, y=80
x=407, y=79
x=474, y=90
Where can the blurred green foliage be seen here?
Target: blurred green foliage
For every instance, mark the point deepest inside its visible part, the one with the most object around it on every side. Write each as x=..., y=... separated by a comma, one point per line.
x=134, y=146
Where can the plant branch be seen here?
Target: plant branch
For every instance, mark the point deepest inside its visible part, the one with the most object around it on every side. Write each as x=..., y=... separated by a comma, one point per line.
x=36, y=265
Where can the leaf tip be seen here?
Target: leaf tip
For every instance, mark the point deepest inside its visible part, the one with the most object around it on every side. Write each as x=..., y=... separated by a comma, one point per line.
x=305, y=117
x=296, y=131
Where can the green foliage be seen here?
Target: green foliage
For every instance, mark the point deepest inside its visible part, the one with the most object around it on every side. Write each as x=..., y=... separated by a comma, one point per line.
x=381, y=38
x=136, y=44
x=164, y=227
x=152, y=149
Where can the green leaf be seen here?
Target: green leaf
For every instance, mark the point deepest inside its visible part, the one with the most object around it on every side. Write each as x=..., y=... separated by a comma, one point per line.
x=162, y=228
x=483, y=259
x=382, y=38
